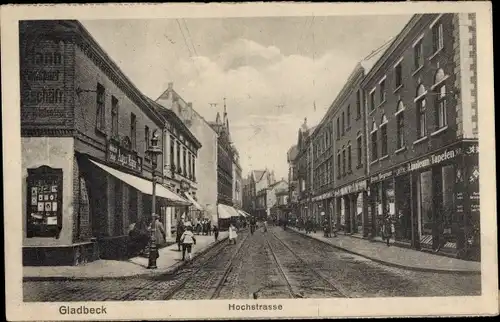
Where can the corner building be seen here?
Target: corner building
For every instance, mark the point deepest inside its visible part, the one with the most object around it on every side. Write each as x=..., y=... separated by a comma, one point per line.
x=422, y=136
x=85, y=130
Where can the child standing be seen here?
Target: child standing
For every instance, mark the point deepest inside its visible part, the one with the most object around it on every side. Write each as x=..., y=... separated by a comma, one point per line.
x=187, y=240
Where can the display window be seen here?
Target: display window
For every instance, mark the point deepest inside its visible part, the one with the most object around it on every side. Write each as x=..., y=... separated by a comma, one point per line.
x=44, y=206
x=425, y=208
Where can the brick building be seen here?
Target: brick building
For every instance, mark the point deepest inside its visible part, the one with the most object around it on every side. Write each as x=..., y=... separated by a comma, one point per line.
x=403, y=137
x=85, y=130
x=422, y=124
x=293, y=182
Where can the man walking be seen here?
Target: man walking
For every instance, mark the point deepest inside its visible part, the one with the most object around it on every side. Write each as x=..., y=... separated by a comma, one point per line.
x=188, y=240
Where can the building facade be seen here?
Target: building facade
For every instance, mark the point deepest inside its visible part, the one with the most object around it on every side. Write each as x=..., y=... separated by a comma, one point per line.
x=422, y=123
x=293, y=182
x=403, y=139
x=237, y=181
x=85, y=130
x=203, y=182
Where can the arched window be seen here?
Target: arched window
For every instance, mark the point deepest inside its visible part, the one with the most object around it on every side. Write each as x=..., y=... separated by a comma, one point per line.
x=420, y=110
x=439, y=89
x=383, y=120
x=400, y=122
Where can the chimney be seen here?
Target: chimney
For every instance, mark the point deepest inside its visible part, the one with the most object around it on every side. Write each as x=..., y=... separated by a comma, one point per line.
x=170, y=86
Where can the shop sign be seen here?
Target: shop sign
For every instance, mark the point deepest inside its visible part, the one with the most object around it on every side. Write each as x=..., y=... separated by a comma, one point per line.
x=123, y=157
x=381, y=176
x=353, y=187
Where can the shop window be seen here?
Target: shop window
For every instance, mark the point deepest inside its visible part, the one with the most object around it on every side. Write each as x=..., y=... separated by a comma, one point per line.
x=448, y=186
x=400, y=123
x=358, y=104
x=420, y=110
x=398, y=75
x=100, y=108
x=440, y=91
x=437, y=37
x=133, y=131
x=418, y=55
x=44, y=202
x=425, y=208
x=114, y=117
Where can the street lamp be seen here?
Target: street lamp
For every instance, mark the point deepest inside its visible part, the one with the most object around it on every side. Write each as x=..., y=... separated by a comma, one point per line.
x=154, y=151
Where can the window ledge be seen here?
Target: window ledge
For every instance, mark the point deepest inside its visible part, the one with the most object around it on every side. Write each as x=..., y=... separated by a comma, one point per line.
x=444, y=128
x=417, y=70
x=401, y=149
x=100, y=131
x=371, y=112
x=384, y=157
x=381, y=103
x=422, y=139
x=374, y=161
x=398, y=88
x=435, y=53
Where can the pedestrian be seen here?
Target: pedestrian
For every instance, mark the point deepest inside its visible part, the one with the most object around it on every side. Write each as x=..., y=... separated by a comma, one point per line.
x=159, y=232
x=265, y=225
x=188, y=240
x=179, y=232
x=232, y=234
x=252, y=225
x=387, y=228
x=139, y=237
x=216, y=232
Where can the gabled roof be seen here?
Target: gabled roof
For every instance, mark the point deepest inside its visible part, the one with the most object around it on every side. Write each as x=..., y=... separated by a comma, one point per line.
x=258, y=174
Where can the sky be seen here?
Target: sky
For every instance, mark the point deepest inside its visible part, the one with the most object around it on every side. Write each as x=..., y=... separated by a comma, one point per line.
x=273, y=71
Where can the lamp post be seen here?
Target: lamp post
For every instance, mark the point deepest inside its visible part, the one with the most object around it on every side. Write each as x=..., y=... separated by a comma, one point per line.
x=154, y=151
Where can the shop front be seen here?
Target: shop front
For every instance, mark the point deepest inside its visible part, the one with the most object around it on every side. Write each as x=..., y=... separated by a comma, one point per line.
x=350, y=207
x=433, y=201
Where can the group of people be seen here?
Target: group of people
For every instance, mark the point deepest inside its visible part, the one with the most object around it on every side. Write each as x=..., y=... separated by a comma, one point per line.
x=204, y=227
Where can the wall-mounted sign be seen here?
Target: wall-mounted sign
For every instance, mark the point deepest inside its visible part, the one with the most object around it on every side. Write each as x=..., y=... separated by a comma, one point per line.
x=43, y=213
x=351, y=188
x=122, y=156
x=43, y=89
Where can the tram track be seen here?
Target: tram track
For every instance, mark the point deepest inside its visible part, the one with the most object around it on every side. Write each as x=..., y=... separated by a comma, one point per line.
x=204, y=272
x=299, y=274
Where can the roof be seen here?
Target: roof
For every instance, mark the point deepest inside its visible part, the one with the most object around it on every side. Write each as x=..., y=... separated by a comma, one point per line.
x=171, y=116
x=258, y=174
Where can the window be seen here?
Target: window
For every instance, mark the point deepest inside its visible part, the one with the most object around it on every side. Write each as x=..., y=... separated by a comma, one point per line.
x=172, y=152
x=179, y=166
x=382, y=91
x=421, y=106
x=398, y=75
x=101, y=107
x=418, y=55
x=114, y=116
x=383, y=135
x=184, y=161
x=437, y=37
x=374, y=142
x=338, y=128
x=194, y=167
x=440, y=91
x=358, y=104
x=338, y=165
x=400, y=123
x=146, y=136
x=348, y=116
x=133, y=130
x=349, y=158
x=372, y=100
x=343, y=123
x=189, y=165
x=359, y=145
x=343, y=161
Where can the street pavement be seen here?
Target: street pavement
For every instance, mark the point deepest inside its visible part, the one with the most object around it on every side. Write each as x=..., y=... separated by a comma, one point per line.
x=272, y=264
x=169, y=260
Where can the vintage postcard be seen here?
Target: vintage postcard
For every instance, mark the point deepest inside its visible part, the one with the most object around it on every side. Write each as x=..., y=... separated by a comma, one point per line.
x=251, y=160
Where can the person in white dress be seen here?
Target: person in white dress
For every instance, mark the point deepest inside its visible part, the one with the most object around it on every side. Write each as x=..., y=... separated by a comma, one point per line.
x=232, y=234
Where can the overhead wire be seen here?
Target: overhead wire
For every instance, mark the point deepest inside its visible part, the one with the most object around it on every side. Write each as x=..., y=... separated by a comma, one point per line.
x=187, y=47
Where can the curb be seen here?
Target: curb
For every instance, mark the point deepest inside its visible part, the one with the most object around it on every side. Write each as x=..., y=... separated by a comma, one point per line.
x=386, y=263
x=152, y=273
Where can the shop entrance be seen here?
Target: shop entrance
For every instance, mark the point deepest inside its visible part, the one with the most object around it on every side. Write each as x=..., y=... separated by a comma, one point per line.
x=403, y=208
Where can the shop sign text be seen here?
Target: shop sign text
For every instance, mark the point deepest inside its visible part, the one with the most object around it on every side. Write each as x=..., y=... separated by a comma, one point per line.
x=354, y=187
x=122, y=157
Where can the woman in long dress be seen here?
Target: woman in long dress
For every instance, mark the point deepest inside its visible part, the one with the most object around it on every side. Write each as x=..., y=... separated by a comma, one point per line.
x=232, y=234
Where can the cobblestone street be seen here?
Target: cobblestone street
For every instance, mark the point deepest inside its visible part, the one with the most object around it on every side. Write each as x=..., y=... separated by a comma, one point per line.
x=272, y=264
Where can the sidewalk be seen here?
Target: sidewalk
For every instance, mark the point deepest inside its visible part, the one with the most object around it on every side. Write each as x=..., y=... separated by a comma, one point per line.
x=169, y=261
x=397, y=256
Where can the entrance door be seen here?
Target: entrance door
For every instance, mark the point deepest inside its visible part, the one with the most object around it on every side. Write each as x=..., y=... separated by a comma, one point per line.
x=425, y=208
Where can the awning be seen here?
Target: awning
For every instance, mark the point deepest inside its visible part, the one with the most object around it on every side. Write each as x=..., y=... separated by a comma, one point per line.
x=194, y=202
x=144, y=186
x=226, y=211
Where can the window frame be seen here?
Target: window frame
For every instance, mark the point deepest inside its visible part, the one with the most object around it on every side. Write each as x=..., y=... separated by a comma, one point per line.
x=100, y=122
x=133, y=132
x=115, y=107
